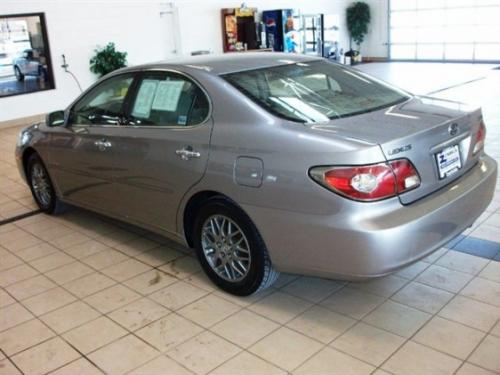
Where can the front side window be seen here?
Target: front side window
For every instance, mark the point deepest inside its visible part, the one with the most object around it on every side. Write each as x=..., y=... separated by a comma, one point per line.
x=316, y=91
x=103, y=105
x=168, y=99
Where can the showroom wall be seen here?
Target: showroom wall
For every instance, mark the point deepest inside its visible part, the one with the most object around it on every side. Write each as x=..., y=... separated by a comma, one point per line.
x=193, y=13
x=144, y=29
x=375, y=44
x=75, y=28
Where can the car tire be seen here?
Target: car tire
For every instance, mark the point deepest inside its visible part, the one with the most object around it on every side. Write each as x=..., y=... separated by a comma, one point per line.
x=219, y=248
x=41, y=186
x=19, y=75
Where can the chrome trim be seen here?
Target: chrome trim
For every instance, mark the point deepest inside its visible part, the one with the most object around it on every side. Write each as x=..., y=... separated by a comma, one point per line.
x=459, y=138
x=187, y=153
x=103, y=144
x=453, y=129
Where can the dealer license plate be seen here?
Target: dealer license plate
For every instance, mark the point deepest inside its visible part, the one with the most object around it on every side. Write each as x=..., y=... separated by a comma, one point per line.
x=448, y=161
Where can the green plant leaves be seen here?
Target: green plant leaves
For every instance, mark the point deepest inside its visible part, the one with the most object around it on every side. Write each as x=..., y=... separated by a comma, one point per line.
x=107, y=59
x=358, y=19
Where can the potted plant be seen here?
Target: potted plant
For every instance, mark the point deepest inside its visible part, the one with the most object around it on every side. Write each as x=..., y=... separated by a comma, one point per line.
x=358, y=19
x=107, y=59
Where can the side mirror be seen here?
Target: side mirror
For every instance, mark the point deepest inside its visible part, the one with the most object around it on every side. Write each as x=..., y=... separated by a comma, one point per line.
x=55, y=119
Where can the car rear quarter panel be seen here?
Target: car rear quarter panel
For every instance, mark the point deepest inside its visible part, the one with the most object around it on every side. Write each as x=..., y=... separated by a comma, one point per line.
x=307, y=228
x=287, y=151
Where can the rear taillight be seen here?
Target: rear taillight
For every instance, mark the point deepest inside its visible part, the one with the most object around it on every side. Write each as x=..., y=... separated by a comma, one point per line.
x=369, y=182
x=480, y=138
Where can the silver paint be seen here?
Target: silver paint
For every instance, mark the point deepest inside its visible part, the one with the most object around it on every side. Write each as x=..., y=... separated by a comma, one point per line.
x=307, y=229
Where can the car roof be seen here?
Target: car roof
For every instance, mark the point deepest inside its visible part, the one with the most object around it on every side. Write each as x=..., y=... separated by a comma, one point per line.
x=231, y=62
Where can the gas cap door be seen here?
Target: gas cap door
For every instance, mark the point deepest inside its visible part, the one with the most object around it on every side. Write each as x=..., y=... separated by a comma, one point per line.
x=248, y=171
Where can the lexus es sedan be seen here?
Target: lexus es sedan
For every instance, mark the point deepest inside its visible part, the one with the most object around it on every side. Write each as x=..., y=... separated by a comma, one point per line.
x=266, y=162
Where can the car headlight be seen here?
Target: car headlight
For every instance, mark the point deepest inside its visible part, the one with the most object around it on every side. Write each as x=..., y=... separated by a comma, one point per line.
x=23, y=138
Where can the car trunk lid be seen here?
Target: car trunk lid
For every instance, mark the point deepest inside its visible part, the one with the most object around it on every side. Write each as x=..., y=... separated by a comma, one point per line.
x=437, y=136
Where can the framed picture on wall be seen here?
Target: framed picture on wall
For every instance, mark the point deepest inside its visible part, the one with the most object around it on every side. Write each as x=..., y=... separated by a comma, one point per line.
x=25, y=64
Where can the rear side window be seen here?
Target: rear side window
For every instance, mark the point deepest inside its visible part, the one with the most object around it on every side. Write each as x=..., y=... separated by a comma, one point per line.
x=168, y=99
x=315, y=91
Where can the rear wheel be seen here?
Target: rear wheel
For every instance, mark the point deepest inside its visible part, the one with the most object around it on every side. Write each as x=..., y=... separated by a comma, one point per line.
x=231, y=250
x=19, y=75
x=41, y=186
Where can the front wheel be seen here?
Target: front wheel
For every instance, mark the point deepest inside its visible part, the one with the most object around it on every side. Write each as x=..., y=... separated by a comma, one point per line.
x=41, y=186
x=231, y=250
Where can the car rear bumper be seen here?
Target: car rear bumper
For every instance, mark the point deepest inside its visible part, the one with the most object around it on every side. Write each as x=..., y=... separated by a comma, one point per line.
x=379, y=238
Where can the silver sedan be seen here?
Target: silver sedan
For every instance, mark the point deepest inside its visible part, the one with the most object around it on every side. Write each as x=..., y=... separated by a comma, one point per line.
x=267, y=162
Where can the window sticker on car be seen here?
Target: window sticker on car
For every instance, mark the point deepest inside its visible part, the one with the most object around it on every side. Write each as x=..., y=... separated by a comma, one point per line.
x=182, y=120
x=167, y=95
x=144, y=100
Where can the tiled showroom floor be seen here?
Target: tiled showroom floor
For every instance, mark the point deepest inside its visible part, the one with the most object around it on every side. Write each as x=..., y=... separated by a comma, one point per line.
x=82, y=295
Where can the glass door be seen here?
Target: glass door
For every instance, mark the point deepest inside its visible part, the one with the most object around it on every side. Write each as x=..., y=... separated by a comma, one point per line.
x=445, y=30
x=312, y=34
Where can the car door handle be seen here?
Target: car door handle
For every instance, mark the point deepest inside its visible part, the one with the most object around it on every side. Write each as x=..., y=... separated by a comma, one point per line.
x=103, y=144
x=187, y=153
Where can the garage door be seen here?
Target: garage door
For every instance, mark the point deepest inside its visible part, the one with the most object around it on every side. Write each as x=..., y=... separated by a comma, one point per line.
x=445, y=30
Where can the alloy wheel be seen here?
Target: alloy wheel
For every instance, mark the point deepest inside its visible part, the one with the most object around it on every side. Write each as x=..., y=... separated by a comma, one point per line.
x=226, y=248
x=41, y=185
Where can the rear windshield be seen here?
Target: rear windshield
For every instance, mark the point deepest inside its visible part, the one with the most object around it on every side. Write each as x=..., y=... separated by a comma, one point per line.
x=315, y=91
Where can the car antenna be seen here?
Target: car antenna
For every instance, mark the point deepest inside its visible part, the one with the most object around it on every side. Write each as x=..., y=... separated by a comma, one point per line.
x=65, y=66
